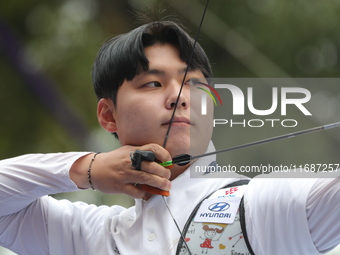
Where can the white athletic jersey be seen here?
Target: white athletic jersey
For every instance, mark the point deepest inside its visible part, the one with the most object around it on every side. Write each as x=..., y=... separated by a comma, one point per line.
x=283, y=216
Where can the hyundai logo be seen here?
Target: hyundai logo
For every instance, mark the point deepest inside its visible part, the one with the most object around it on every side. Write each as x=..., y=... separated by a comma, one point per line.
x=219, y=207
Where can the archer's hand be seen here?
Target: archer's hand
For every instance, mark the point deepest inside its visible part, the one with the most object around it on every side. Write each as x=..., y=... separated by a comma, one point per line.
x=112, y=173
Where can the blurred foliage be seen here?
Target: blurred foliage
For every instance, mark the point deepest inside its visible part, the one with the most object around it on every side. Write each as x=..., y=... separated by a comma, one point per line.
x=59, y=40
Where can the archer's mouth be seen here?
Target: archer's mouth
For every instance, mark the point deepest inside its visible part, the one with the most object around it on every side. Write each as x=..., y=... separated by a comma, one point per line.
x=178, y=121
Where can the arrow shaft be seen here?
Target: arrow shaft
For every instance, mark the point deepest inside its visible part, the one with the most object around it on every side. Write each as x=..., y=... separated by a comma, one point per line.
x=267, y=140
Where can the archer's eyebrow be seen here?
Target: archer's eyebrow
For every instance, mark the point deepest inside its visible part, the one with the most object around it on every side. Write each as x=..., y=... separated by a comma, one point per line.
x=155, y=71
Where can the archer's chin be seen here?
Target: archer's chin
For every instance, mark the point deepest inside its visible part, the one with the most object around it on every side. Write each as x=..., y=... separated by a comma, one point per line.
x=178, y=145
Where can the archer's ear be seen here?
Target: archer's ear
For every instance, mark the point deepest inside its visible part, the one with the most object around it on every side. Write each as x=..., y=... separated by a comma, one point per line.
x=105, y=114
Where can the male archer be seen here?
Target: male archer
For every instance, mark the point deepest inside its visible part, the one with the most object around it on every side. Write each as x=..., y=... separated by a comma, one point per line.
x=137, y=77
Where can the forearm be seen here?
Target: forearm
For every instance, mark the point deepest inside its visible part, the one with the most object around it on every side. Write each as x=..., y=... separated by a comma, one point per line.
x=24, y=179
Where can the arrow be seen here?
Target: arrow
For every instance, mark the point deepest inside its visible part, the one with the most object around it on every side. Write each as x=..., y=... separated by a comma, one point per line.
x=184, y=159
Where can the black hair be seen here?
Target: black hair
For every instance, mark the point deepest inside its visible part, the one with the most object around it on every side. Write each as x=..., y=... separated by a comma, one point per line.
x=122, y=57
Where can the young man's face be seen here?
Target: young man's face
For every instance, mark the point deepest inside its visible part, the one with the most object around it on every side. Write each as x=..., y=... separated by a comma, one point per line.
x=145, y=105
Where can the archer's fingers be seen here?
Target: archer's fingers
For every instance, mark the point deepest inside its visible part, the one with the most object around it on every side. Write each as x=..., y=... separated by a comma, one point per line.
x=142, y=177
x=155, y=169
x=161, y=154
x=133, y=190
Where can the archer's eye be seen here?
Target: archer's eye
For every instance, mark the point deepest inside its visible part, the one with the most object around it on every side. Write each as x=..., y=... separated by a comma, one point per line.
x=152, y=84
x=194, y=82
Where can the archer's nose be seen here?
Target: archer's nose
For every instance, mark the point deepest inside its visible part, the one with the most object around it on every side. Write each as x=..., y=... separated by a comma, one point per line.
x=177, y=96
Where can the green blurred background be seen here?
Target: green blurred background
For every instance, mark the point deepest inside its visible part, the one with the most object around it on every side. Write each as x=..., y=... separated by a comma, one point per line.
x=47, y=49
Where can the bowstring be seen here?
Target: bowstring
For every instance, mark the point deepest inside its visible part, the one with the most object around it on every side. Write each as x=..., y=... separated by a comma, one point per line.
x=185, y=74
x=174, y=111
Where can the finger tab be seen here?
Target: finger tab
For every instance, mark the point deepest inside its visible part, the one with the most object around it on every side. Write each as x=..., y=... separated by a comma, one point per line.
x=154, y=190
